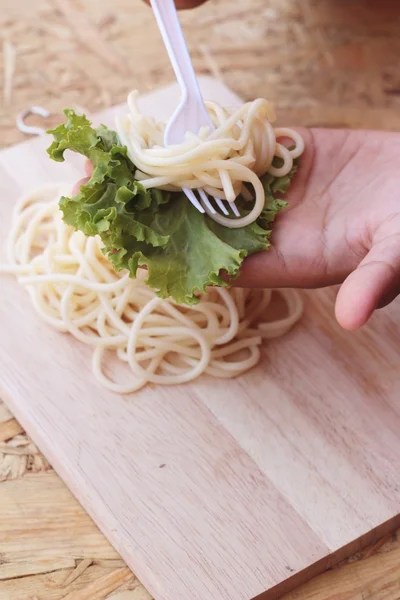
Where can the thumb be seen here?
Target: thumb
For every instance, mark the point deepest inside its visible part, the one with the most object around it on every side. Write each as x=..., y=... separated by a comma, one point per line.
x=88, y=171
x=77, y=186
x=375, y=282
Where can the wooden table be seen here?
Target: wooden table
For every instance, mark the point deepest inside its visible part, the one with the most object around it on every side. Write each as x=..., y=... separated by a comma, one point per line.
x=322, y=62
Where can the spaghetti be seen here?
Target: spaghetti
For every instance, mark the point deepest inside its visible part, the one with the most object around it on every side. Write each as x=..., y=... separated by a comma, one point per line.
x=239, y=151
x=74, y=288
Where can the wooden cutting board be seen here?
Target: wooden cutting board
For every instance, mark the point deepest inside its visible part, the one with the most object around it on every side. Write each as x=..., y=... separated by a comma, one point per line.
x=214, y=490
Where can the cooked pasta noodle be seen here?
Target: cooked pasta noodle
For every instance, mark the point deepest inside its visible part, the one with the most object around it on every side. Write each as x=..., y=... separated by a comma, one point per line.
x=239, y=151
x=74, y=288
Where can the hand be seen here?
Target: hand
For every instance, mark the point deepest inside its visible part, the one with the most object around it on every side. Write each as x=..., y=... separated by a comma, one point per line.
x=343, y=224
x=185, y=3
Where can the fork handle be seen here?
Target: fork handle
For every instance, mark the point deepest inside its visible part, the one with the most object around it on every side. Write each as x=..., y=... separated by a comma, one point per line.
x=168, y=22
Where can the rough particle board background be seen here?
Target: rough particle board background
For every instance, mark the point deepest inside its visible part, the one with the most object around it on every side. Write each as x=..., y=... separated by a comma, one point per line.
x=325, y=62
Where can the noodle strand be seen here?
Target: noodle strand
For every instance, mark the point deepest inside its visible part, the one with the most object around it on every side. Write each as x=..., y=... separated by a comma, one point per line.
x=240, y=150
x=74, y=288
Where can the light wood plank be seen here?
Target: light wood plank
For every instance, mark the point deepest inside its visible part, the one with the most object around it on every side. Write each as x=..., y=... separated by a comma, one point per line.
x=349, y=582
x=377, y=578
x=262, y=489
x=352, y=47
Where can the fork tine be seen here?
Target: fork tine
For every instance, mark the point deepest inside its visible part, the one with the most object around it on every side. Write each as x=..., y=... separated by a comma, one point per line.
x=206, y=201
x=234, y=209
x=190, y=196
x=221, y=205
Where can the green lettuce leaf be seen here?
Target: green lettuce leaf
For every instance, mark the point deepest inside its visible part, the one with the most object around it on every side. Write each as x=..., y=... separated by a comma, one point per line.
x=183, y=250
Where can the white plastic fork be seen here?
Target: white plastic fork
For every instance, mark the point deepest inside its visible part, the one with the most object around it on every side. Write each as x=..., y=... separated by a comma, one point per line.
x=191, y=113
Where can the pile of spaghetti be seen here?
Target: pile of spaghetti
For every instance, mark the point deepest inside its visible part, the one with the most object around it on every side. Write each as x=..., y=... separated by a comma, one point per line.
x=134, y=200
x=74, y=288
x=239, y=151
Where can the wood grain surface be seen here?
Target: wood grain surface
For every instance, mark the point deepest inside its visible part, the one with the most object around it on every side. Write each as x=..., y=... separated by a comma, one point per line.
x=321, y=62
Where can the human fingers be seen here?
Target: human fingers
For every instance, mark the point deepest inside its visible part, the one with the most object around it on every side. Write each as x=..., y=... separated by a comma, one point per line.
x=290, y=262
x=374, y=284
x=77, y=186
x=88, y=167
